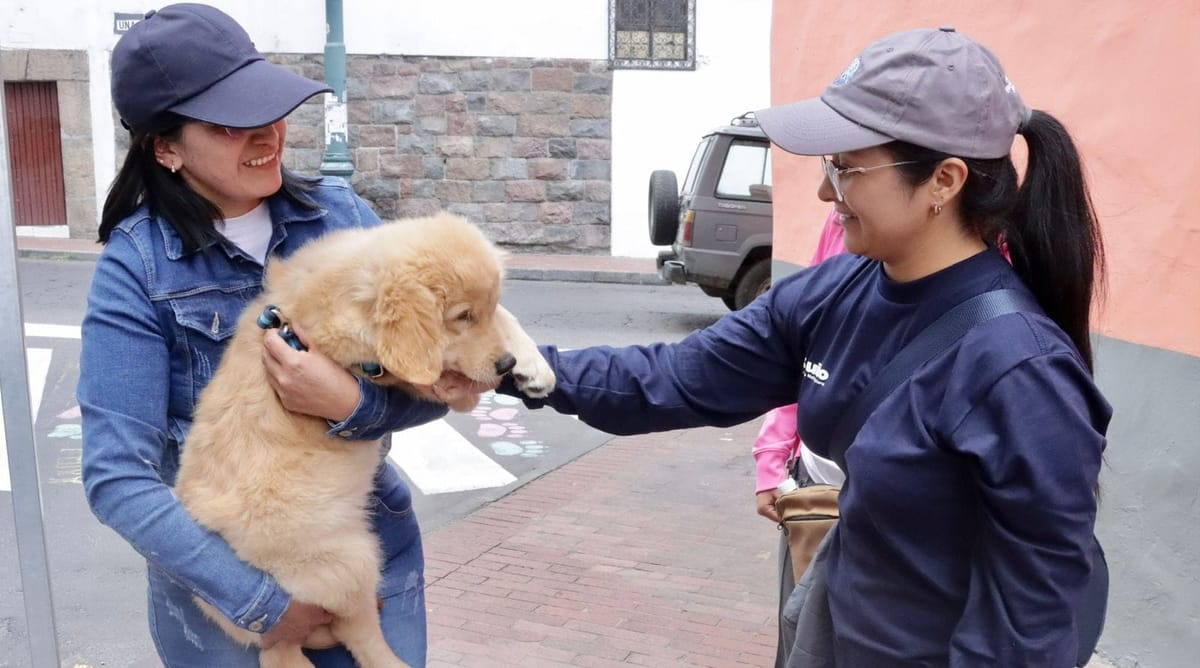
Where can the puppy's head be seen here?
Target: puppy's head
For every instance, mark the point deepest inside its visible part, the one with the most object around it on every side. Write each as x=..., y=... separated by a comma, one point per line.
x=416, y=296
x=408, y=332
x=437, y=283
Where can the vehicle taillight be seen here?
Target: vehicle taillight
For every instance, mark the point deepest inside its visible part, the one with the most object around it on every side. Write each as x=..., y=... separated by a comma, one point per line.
x=686, y=221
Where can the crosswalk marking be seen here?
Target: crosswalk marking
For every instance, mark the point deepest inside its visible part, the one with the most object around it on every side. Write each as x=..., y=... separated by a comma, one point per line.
x=439, y=460
x=435, y=456
x=33, y=329
x=38, y=360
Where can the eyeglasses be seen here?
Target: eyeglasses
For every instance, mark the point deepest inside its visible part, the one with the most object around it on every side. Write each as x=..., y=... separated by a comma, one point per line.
x=835, y=174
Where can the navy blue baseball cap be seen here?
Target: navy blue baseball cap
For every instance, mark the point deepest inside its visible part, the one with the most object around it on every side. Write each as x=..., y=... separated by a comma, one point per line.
x=196, y=61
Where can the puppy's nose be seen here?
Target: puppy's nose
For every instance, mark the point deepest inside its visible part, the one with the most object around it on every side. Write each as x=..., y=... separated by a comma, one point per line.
x=505, y=364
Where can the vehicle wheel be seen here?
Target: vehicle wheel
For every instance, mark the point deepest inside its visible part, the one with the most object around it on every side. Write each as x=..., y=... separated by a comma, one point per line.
x=753, y=283
x=729, y=302
x=664, y=207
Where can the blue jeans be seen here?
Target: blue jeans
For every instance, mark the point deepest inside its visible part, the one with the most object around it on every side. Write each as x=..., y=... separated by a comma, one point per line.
x=186, y=638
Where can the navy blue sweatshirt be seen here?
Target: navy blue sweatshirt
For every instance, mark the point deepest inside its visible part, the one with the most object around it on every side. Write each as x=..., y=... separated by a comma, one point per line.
x=968, y=509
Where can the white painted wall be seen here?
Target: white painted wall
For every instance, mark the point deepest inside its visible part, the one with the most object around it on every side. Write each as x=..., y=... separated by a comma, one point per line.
x=658, y=116
x=512, y=28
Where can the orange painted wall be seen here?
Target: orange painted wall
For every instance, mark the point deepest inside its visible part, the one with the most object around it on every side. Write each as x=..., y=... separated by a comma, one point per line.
x=1122, y=76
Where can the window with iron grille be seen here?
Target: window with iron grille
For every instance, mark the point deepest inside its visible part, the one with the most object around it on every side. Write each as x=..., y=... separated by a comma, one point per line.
x=652, y=34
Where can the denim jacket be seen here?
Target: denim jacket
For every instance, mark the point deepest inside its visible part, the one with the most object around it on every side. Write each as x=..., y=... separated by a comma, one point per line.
x=157, y=322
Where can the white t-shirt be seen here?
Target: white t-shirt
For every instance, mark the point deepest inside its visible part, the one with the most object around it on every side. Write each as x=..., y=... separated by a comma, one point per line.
x=820, y=469
x=250, y=231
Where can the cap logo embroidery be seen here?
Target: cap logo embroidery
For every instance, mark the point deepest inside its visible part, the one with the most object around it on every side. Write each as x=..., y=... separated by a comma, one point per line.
x=848, y=74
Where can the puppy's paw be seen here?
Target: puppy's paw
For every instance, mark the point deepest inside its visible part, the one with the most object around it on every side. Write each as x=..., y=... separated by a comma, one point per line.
x=533, y=375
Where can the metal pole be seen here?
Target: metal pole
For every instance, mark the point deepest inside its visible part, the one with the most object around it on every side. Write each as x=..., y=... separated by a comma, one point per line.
x=18, y=432
x=336, y=161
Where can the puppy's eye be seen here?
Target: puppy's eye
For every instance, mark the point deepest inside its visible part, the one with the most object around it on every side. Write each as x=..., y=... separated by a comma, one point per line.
x=465, y=316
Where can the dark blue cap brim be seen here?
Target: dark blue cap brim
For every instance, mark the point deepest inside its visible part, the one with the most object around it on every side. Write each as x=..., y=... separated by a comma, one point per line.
x=252, y=96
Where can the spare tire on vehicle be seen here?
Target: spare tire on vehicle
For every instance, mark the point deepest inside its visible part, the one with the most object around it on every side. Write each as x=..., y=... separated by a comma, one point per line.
x=664, y=207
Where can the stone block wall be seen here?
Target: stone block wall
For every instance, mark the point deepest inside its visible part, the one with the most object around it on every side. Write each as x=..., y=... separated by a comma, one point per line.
x=522, y=147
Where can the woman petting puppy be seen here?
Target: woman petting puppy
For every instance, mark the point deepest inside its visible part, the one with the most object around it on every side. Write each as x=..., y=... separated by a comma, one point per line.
x=966, y=520
x=195, y=211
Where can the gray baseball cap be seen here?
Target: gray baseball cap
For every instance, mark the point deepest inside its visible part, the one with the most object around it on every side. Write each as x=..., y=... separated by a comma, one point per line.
x=935, y=88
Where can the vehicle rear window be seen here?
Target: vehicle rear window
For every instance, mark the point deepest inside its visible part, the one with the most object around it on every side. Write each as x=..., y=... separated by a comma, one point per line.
x=748, y=163
x=693, y=172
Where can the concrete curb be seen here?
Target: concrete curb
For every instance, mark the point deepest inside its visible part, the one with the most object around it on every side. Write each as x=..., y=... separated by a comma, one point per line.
x=583, y=276
x=49, y=254
x=588, y=269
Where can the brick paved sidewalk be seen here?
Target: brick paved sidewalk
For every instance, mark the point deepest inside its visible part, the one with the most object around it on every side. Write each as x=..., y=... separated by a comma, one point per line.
x=646, y=551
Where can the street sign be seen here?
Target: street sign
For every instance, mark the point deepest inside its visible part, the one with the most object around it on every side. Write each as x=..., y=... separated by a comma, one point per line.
x=122, y=22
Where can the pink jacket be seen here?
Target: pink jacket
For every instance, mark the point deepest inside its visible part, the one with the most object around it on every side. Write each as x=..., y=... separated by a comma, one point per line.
x=777, y=441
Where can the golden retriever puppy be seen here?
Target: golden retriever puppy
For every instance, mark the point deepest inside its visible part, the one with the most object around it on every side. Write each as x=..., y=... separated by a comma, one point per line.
x=406, y=300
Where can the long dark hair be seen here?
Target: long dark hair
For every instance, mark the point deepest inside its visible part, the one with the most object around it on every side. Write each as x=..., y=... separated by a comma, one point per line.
x=1047, y=222
x=141, y=180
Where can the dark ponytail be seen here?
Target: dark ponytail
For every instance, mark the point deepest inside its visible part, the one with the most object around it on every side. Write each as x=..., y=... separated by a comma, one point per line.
x=1047, y=223
x=141, y=180
x=1053, y=235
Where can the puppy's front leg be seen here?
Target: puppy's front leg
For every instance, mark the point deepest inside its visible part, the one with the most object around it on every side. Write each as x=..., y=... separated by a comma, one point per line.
x=284, y=655
x=532, y=374
x=360, y=632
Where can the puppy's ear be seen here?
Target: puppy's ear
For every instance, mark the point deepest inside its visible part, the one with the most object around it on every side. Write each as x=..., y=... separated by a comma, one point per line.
x=411, y=332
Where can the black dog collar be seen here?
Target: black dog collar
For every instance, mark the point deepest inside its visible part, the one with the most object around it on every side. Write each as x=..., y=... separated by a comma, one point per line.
x=271, y=318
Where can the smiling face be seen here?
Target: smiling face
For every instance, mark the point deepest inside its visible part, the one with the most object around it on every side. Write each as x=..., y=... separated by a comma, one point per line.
x=912, y=225
x=883, y=217
x=234, y=169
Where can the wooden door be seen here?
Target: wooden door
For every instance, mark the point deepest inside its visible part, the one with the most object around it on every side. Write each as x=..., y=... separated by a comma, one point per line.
x=35, y=153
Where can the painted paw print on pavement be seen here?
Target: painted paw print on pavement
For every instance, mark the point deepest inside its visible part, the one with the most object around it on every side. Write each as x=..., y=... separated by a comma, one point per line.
x=72, y=431
x=519, y=449
x=497, y=415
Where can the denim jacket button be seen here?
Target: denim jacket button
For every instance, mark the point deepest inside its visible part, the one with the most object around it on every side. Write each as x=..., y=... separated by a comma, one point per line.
x=255, y=627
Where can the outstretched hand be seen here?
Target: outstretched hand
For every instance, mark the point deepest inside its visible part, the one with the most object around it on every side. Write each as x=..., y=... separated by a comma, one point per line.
x=307, y=381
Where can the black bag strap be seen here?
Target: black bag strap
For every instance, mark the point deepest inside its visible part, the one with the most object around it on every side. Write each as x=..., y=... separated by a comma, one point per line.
x=937, y=337
x=1091, y=607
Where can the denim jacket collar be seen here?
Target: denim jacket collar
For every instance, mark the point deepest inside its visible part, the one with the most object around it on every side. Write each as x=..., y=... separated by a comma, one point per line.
x=284, y=210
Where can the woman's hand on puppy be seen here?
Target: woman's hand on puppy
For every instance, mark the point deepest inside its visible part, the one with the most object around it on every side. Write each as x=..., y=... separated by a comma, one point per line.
x=307, y=381
x=297, y=622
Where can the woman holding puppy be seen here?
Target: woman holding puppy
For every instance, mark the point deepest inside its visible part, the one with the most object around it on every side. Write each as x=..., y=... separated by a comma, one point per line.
x=199, y=205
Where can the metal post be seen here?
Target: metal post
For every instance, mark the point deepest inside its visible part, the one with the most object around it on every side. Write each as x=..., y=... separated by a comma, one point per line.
x=18, y=431
x=336, y=161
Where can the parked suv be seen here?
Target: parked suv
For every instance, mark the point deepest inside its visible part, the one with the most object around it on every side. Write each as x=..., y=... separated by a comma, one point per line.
x=719, y=222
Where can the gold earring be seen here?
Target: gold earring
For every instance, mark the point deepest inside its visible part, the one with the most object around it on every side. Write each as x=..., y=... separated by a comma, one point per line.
x=937, y=206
